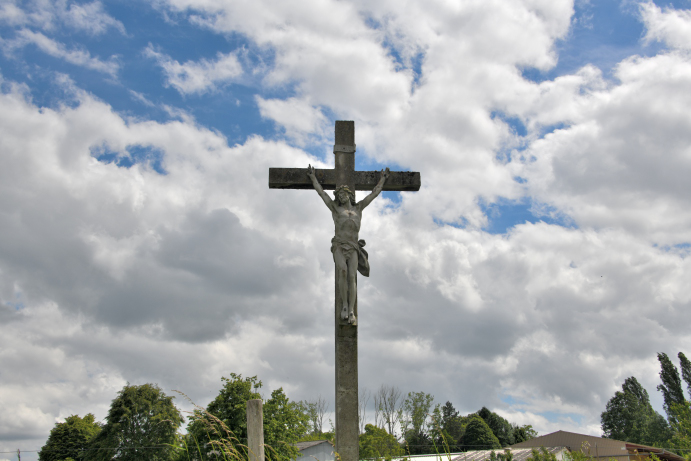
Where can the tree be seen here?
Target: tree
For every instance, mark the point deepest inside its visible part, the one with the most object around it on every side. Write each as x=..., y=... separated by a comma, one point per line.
x=478, y=435
x=376, y=443
x=330, y=436
x=419, y=443
x=630, y=417
x=363, y=400
x=685, y=370
x=544, y=455
x=413, y=420
x=448, y=427
x=142, y=423
x=284, y=421
x=230, y=407
x=387, y=404
x=523, y=433
x=501, y=428
x=315, y=409
x=69, y=439
x=681, y=429
x=671, y=385
x=414, y=412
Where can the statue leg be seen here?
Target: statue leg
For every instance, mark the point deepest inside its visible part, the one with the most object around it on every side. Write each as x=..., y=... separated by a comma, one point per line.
x=352, y=286
x=342, y=277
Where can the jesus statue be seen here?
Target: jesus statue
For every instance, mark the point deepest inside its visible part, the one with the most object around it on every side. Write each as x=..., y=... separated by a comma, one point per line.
x=349, y=253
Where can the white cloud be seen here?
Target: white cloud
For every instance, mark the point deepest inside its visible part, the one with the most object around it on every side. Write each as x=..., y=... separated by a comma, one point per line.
x=129, y=270
x=200, y=76
x=89, y=17
x=78, y=57
x=49, y=15
x=622, y=160
x=297, y=117
x=12, y=14
x=671, y=26
x=468, y=55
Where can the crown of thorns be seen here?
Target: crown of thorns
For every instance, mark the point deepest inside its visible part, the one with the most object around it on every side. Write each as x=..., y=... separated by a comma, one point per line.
x=347, y=190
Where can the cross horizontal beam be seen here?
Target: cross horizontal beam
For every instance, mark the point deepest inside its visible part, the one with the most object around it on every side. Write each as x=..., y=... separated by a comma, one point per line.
x=296, y=178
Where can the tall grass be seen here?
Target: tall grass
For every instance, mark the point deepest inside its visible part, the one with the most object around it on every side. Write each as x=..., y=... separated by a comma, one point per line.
x=221, y=444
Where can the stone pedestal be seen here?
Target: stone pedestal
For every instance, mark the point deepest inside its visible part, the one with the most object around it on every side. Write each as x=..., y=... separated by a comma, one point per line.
x=347, y=423
x=255, y=430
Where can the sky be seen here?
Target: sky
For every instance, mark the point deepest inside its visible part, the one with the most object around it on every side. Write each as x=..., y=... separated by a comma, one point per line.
x=544, y=260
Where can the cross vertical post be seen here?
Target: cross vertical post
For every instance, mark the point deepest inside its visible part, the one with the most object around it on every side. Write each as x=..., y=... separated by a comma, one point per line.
x=346, y=334
x=346, y=337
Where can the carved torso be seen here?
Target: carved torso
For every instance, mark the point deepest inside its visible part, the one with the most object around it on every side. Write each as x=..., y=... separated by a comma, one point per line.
x=347, y=222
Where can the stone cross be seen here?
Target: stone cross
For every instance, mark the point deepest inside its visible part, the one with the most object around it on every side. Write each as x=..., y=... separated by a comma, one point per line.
x=344, y=174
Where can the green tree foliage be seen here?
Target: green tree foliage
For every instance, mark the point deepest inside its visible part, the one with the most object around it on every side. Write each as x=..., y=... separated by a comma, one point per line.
x=142, y=423
x=329, y=435
x=501, y=428
x=542, y=455
x=69, y=439
x=414, y=420
x=376, y=443
x=284, y=421
x=416, y=408
x=230, y=407
x=419, y=443
x=630, y=417
x=447, y=428
x=506, y=456
x=681, y=429
x=315, y=409
x=523, y=433
x=685, y=370
x=479, y=436
x=671, y=385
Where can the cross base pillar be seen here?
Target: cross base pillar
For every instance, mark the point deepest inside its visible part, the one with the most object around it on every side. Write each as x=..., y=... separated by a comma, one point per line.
x=347, y=420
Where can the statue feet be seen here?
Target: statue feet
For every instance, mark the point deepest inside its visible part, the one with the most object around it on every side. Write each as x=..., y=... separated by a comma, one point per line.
x=344, y=314
x=352, y=319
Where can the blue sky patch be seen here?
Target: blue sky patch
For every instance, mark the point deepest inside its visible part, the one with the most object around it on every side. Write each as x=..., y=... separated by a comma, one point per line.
x=547, y=129
x=462, y=222
x=681, y=249
x=504, y=214
x=553, y=416
x=414, y=63
x=147, y=155
x=602, y=33
x=516, y=124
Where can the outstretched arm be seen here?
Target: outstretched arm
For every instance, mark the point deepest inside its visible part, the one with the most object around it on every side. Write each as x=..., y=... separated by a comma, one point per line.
x=318, y=187
x=376, y=191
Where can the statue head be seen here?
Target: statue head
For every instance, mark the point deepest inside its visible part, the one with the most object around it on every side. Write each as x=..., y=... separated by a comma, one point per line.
x=348, y=193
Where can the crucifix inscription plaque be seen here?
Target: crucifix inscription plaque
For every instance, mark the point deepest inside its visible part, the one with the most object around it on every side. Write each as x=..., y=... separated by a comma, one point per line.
x=349, y=258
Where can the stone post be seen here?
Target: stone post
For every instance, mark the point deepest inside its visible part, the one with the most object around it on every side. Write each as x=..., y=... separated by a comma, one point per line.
x=255, y=430
x=347, y=424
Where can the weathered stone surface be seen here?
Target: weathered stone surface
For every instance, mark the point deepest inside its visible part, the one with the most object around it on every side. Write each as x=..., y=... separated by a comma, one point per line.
x=296, y=178
x=345, y=132
x=347, y=423
x=255, y=430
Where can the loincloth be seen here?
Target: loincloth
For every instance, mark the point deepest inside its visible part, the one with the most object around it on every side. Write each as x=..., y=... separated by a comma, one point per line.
x=347, y=246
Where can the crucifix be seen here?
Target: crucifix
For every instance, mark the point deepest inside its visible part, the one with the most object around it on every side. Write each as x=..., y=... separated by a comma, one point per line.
x=349, y=258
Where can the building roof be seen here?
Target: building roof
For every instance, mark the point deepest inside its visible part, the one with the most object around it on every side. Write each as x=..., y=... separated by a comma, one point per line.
x=305, y=445
x=477, y=455
x=574, y=441
x=519, y=454
x=659, y=452
x=598, y=447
